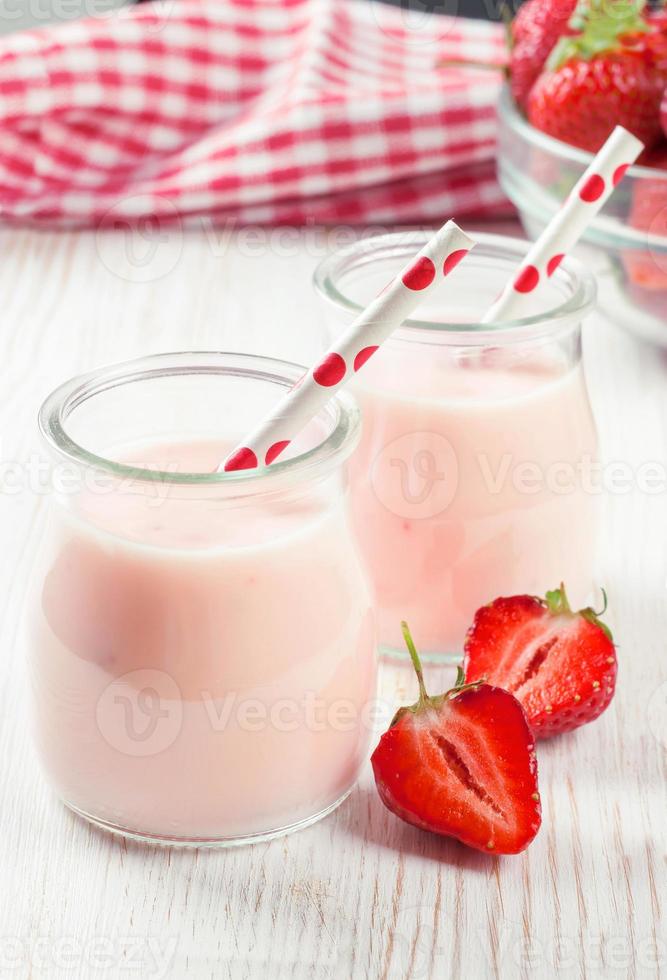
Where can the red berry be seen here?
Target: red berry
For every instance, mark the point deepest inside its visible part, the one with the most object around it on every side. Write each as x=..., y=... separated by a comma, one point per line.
x=462, y=765
x=613, y=72
x=560, y=664
x=535, y=30
x=583, y=101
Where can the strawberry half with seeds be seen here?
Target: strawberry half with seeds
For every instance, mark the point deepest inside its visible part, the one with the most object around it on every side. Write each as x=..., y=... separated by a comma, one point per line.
x=462, y=765
x=560, y=664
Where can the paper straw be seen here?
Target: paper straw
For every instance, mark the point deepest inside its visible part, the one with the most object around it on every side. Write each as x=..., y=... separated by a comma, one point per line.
x=592, y=191
x=350, y=352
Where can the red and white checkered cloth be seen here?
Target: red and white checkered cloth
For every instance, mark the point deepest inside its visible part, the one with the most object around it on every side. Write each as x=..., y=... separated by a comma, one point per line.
x=257, y=111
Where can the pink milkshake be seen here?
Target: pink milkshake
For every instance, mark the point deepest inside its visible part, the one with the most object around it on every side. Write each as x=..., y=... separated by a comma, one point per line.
x=455, y=492
x=202, y=645
x=473, y=476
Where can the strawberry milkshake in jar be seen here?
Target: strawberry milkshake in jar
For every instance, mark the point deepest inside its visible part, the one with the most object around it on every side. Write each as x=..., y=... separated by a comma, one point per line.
x=202, y=644
x=475, y=475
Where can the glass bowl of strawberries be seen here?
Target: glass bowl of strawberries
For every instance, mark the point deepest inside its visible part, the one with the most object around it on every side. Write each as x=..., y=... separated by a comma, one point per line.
x=577, y=69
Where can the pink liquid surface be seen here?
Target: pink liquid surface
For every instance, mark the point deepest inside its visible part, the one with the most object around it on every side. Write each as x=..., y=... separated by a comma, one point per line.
x=440, y=504
x=201, y=673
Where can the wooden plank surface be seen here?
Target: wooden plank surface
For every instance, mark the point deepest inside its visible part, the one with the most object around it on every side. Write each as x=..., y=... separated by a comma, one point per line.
x=360, y=895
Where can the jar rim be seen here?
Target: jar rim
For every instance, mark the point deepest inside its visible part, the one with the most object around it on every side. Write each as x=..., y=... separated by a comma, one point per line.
x=573, y=309
x=338, y=444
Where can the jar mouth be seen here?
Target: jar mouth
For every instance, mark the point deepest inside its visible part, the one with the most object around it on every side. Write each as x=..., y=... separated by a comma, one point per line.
x=572, y=275
x=341, y=415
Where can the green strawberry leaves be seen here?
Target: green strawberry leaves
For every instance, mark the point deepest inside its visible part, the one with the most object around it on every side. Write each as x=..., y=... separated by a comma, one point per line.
x=557, y=603
x=600, y=26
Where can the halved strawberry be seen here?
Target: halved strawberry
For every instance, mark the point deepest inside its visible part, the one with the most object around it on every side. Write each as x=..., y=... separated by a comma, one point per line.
x=462, y=765
x=560, y=664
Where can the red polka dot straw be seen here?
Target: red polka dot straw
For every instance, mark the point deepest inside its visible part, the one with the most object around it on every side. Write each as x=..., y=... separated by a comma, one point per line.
x=353, y=350
x=524, y=294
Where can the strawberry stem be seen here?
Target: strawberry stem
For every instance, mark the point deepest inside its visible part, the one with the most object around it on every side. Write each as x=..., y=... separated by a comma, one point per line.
x=425, y=702
x=416, y=663
x=597, y=26
x=605, y=603
x=460, y=685
x=557, y=603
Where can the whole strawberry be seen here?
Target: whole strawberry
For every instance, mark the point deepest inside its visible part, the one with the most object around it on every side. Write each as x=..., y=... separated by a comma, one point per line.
x=560, y=664
x=462, y=765
x=613, y=72
x=538, y=25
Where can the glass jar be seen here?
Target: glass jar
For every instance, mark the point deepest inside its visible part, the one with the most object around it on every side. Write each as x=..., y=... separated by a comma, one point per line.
x=202, y=644
x=473, y=475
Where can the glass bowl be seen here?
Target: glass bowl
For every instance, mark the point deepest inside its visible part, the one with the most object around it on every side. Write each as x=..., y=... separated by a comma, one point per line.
x=537, y=172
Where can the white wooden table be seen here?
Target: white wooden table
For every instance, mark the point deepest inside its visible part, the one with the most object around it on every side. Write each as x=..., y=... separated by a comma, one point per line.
x=361, y=894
